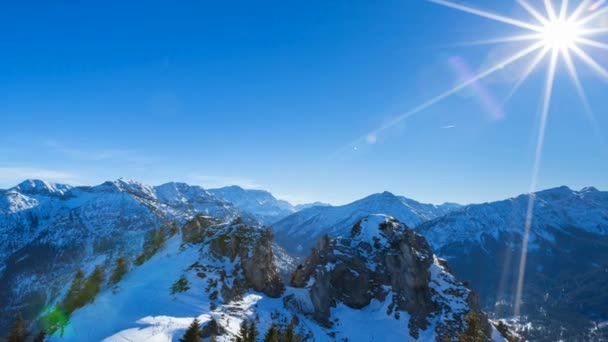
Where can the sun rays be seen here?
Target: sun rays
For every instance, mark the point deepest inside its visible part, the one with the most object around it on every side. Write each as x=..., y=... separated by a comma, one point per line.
x=559, y=33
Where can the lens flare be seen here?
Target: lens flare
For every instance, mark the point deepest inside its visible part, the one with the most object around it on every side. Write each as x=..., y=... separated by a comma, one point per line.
x=555, y=34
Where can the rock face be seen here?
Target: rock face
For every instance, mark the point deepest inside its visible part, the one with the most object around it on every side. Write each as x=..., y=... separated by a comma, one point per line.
x=297, y=233
x=245, y=252
x=383, y=260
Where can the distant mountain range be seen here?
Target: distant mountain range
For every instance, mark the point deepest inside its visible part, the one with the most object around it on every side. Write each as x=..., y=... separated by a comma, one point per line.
x=48, y=231
x=564, y=295
x=261, y=204
x=299, y=232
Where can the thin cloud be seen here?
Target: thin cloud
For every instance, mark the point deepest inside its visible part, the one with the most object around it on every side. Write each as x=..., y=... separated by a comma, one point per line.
x=295, y=199
x=11, y=176
x=447, y=127
x=120, y=155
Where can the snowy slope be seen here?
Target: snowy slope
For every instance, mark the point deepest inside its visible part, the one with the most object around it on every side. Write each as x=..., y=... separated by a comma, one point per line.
x=567, y=257
x=382, y=282
x=261, y=204
x=303, y=206
x=47, y=228
x=558, y=208
x=299, y=232
x=56, y=214
x=142, y=308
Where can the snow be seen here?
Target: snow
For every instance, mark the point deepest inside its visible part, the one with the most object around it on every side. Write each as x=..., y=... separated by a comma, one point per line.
x=557, y=208
x=371, y=323
x=370, y=231
x=144, y=292
x=261, y=204
x=299, y=232
x=60, y=214
x=445, y=285
x=496, y=336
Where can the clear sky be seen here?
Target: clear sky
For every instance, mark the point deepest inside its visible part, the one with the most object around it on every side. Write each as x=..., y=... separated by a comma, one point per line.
x=275, y=94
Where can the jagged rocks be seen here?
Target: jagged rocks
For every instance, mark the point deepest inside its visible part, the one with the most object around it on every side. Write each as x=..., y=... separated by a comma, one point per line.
x=384, y=260
x=245, y=254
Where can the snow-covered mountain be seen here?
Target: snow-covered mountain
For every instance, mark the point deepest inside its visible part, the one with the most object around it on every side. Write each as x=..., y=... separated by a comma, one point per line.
x=259, y=203
x=299, y=232
x=47, y=229
x=223, y=273
x=310, y=205
x=567, y=261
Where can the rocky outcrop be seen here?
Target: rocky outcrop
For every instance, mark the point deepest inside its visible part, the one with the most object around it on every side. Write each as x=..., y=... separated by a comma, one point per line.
x=383, y=260
x=247, y=249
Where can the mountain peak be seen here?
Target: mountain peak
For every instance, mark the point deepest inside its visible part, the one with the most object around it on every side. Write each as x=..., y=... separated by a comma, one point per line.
x=380, y=196
x=40, y=187
x=134, y=187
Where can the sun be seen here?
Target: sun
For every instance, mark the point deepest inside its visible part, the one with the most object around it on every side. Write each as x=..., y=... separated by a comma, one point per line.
x=561, y=34
x=556, y=34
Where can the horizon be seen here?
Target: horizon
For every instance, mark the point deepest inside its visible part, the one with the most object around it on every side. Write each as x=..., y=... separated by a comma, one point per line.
x=4, y=188
x=310, y=102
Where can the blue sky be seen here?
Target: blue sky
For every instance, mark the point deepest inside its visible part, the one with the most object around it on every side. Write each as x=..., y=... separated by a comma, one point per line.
x=275, y=94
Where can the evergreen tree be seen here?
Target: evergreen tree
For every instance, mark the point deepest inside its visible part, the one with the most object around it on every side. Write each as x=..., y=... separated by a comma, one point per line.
x=173, y=229
x=72, y=300
x=19, y=331
x=243, y=332
x=474, y=331
x=288, y=336
x=92, y=285
x=193, y=333
x=154, y=241
x=504, y=331
x=120, y=270
x=253, y=332
x=272, y=335
x=40, y=337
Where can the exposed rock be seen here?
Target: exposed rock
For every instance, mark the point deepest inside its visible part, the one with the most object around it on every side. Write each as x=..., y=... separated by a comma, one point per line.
x=383, y=257
x=247, y=247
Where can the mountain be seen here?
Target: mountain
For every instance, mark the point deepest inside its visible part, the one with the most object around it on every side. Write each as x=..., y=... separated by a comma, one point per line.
x=564, y=293
x=298, y=232
x=382, y=282
x=303, y=206
x=210, y=269
x=47, y=230
x=222, y=273
x=259, y=203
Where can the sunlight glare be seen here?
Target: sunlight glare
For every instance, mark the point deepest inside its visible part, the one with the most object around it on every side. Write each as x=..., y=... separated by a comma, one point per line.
x=560, y=34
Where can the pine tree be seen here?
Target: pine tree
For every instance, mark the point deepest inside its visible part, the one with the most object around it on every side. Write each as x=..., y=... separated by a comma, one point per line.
x=72, y=300
x=19, y=331
x=474, y=331
x=193, y=333
x=173, y=229
x=92, y=285
x=243, y=332
x=120, y=270
x=272, y=335
x=288, y=336
x=253, y=332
